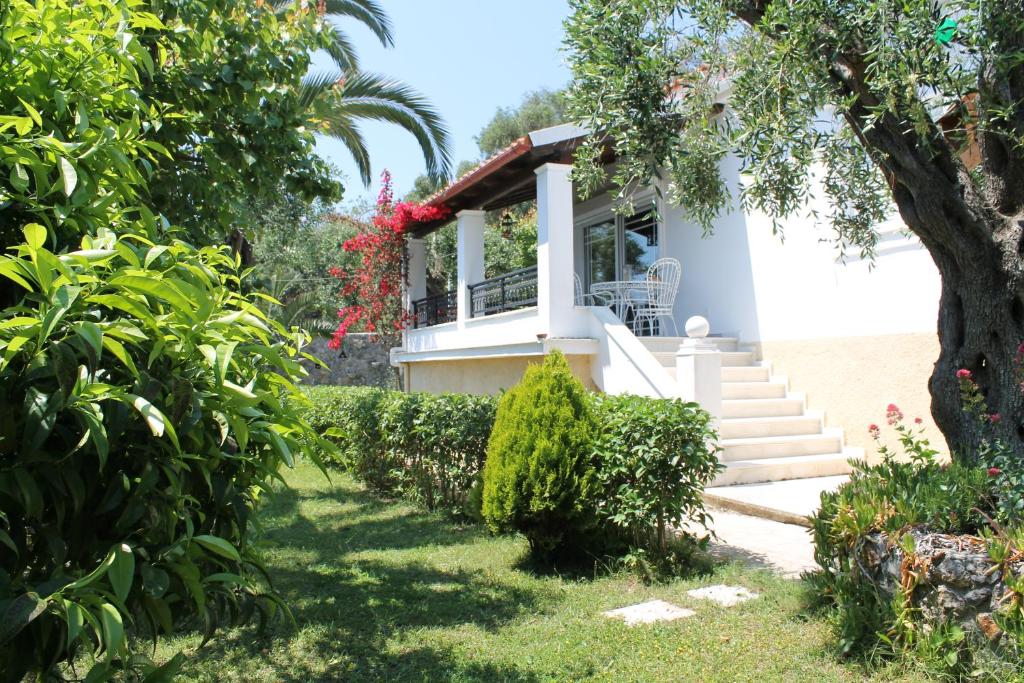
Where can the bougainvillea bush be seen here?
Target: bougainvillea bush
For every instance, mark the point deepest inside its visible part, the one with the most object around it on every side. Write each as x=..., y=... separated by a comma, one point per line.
x=376, y=283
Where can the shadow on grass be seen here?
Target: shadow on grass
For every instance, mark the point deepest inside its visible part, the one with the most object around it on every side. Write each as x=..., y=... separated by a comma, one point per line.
x=352, y=611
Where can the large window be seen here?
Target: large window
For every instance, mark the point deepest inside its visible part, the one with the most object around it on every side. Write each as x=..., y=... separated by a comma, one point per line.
x=620, y=248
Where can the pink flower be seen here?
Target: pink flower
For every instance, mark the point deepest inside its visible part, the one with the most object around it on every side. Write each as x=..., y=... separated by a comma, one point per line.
x=963, y=374
x=892, y=408
x=994, y=471
x=873, y=430
x=995, y=418
x=918, y=421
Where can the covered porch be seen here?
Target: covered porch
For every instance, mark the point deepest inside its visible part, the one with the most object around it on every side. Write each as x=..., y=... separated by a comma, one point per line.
x=576, y=298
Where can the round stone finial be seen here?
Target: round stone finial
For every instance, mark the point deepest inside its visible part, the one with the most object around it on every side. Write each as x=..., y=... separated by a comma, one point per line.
x=697, y=327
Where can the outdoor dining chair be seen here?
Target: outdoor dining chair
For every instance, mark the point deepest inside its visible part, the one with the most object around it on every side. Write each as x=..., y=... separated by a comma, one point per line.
x=591, y=299
x=661, y=287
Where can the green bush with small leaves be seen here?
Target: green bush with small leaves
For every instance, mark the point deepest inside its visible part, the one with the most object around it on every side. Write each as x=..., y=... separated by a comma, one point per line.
x=146, y=406
x=653, y=457
x=431, y=447
x=539, y=478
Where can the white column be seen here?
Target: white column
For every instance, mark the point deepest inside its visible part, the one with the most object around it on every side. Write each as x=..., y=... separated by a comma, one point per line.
x=555, y=294
x=699, y=374
x=469, y=251
x=417, y=270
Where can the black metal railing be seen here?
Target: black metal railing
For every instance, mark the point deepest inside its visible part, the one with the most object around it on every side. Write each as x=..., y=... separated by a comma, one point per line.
x=434, y=310
x=507, y=292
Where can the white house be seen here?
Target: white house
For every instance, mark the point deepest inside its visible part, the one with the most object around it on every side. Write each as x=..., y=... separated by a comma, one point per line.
x=803, y=344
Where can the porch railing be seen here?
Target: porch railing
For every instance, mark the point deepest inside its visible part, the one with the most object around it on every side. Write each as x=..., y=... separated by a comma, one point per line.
x=434, y=310
x=507, y=292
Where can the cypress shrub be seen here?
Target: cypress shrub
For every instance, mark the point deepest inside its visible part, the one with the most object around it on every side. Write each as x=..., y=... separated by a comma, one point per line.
x=539, y=478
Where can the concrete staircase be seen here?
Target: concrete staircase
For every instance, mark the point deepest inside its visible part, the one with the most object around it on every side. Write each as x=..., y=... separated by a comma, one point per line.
x=766, y=433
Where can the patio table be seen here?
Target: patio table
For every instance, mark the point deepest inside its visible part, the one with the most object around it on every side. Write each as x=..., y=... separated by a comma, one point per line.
x=618, y=294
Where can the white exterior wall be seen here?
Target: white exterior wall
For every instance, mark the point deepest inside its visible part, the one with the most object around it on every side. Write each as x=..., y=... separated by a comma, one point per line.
x=751, y=283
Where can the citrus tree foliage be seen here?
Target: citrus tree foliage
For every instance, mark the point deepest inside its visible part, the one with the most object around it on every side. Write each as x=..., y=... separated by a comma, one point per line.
x=915, y=103
x=200, y=99
x=146, y=401
x=229, y=74
x=147, y=404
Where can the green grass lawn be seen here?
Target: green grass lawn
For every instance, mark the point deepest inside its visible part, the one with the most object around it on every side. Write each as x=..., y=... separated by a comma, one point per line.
x=384, y=592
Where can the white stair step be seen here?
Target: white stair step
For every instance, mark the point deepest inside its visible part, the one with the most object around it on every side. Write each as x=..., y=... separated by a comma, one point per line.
x=829, y=441
x=666, y=358
x=762, y=407
x=737, y=358
x=671, y=344
x=795, y=467
x=746, y=373
x=750, y=427
x=736, y=390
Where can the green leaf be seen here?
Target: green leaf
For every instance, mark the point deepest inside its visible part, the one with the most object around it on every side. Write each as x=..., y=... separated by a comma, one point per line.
x=19, y=177
x=68, y=176
x=154, y=287
x=219, y=546
x=92, y=576
x=32, y=112
x=91, y=333
x=945, y=31
x=35, y=235
x=114, y=640
x=75, y=618
x=122, y=571
x=155, y=420
x=19, y=613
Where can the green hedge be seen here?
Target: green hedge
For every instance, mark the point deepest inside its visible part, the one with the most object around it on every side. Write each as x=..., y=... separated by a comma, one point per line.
x=652, y=457
x=429, y=446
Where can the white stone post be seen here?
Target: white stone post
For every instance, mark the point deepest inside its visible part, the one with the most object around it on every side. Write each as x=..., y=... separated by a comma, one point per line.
x=555, y=291
x=699, y=368
x=469, y=252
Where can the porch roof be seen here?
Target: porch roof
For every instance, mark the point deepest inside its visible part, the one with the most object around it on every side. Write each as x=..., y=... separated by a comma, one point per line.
x=506, y=178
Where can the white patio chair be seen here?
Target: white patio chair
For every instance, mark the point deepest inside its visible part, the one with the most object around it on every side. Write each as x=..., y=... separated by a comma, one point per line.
x=591, y=299
x=661, y=287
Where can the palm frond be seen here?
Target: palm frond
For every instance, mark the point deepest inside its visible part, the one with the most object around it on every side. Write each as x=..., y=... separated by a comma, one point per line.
x=370, y=96
x=341, y=49
x=368, y=12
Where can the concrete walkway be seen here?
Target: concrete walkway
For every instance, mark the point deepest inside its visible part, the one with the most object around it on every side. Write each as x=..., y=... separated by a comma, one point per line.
x=783, y=548
x=790, y=501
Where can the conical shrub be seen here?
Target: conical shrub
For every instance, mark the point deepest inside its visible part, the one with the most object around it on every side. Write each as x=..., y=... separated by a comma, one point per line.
x=539, y=478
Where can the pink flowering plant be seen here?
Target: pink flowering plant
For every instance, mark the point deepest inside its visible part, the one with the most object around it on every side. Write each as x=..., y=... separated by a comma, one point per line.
x=915, y=445
x=1004, y=468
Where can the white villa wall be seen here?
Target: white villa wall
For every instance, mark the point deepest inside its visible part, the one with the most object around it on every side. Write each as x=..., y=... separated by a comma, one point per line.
x=854, y=336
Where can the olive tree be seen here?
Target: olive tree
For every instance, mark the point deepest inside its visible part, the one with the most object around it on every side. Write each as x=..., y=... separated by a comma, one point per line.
x=922, y=100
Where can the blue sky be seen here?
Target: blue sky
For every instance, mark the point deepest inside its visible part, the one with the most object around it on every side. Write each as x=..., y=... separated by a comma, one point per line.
x=469, y=57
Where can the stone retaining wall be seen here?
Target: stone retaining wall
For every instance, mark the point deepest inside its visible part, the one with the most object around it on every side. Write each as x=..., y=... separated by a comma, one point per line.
x=362, y=360
x=958, y=582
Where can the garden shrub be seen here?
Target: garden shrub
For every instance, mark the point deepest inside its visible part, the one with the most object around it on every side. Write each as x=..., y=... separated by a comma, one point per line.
x=916, y=491
x=430, y=447
x=146, y=405
x=539, y=477
x=653, y=459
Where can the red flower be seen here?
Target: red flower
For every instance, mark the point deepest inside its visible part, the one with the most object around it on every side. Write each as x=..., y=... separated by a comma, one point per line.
x=873, y=430
x=892, y=408
x=994, y=471
x=964, y=374
x=918, y=420
x=995, y=418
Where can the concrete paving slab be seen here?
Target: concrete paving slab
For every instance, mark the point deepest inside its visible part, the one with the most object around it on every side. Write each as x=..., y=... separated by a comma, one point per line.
x=723, y=595
x=783, y=548
x=649, y=612
x=790, y=501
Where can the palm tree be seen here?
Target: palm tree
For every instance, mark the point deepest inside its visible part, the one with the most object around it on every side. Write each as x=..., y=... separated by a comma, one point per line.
x=339, y=98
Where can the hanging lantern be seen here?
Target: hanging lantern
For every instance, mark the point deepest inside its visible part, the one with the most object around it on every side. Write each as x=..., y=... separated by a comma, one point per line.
x=507, y=222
